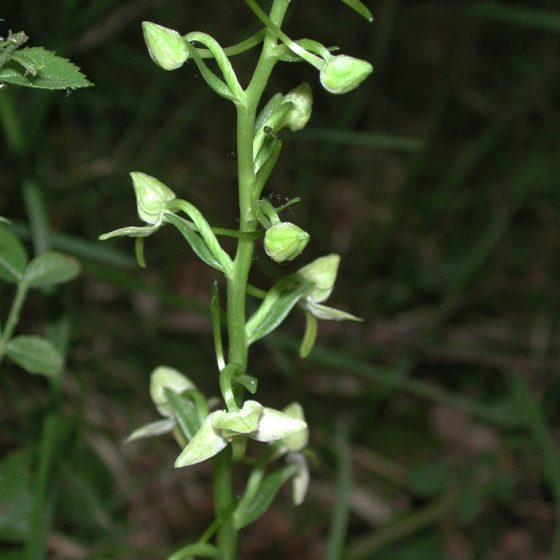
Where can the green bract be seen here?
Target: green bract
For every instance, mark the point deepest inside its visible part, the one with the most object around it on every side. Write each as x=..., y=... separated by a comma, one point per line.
x=342, y=73
x=285, y=241
x=166, y=47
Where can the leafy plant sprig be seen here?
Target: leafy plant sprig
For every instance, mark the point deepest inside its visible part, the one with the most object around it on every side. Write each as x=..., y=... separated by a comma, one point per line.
x=34, y=354
x=36, y=67
x=222, y=433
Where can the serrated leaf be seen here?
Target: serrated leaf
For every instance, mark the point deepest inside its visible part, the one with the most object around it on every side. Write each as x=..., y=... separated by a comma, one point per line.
x=16, y=496
x=49, y=269
x=278, y=302
x=53, y=72
x=360, y=8
x=35, y=355
x=13, y=257
x=265, y=496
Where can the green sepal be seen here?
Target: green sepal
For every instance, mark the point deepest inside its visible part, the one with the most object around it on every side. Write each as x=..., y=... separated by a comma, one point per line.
x=264, y=497
x=35, y=355
x=13, y=257
x=53, y=72
x=50, y=269
x=279, y=301
x=206, y=443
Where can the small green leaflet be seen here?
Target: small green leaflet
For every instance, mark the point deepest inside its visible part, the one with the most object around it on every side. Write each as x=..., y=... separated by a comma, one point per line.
x=360, y=8
x=49, y=269
x=13, y=258
x=52, y=71
x=35, y=355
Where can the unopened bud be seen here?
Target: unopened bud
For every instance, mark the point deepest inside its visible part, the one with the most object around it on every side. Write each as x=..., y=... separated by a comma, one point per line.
x=285, y=241
x=342, y=73
x=302, y=101
x=166, y=46
x=151, y=197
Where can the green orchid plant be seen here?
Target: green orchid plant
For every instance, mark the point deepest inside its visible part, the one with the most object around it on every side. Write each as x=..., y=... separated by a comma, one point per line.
x=220, y=429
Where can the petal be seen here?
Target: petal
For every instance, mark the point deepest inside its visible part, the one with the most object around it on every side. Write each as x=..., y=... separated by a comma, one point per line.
x=326, y=313
x=242, y=421
x=205, y=444
x=300, y=482
x=157, y=428
x=275, y=425
x=131, y=231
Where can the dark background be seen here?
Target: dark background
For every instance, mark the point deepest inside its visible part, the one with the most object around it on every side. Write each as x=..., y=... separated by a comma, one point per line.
x=438, y=184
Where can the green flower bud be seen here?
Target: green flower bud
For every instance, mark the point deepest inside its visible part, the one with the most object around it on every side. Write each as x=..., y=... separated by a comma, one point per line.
x=342, y=73
x=285, y=241
x=163, y=378
x=151, y=197
x=166, y=47
x=322, y=274
x=302, y=100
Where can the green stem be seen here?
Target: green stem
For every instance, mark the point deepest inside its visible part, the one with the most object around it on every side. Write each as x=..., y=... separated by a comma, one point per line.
x=223, y=498
x=13, y=317
x=237, y=282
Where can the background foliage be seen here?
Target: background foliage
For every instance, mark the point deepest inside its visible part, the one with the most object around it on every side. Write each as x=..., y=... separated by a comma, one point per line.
x=434, y=422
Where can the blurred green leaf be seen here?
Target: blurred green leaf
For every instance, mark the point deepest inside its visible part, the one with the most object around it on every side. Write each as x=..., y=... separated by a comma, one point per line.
x=51, y=268
x=53, y=72
x=35, y=355
x=15, y=496
x=13, y=257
